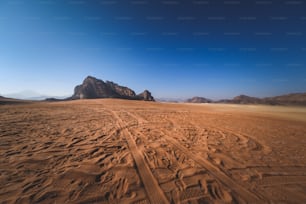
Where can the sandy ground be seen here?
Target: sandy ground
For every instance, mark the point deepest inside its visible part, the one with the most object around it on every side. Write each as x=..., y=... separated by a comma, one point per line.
x=116, y=151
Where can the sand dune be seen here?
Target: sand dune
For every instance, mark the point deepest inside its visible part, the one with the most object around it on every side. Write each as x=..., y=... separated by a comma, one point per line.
x=117, y=151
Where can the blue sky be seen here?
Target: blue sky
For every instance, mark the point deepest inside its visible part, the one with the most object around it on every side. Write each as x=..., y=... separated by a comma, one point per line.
x=216, y=49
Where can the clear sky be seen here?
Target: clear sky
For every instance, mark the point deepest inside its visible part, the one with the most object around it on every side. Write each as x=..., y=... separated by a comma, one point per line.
x=216, y=49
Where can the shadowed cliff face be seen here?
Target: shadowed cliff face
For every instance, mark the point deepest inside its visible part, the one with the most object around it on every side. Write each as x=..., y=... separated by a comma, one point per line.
x=92, y=88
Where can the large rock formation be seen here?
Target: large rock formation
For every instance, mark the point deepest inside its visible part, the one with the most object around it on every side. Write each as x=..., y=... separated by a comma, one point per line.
x=92, y=88
x=198, y=100
x=146, y=96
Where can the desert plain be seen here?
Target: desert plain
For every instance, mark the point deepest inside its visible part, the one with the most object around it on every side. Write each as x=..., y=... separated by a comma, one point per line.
x=121, y=151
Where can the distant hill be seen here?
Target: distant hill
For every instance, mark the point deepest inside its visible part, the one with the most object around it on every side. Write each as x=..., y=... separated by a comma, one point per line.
x=198, y=100
x=93, y=88
x=171, y=100
x=10, y=101
x=244, y=99
x=241, y=99
x=288, y=99
x=31, y=95
x=26, y=95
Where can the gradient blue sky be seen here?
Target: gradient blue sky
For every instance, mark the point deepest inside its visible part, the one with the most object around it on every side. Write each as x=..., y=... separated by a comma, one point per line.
x=216, y=49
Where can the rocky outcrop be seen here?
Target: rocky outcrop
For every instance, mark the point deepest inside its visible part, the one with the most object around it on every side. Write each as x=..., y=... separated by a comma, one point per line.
x=93, y=88
x=146, y=96
x=198, y=100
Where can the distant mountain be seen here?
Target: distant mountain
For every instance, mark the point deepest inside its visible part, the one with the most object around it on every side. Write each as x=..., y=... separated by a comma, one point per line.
x=93, y=88
x=198, y=100
x=171, y=100
x=288, y=99
x=244, y=99
x=10, y=101
x=31, y=95
x=26, y=95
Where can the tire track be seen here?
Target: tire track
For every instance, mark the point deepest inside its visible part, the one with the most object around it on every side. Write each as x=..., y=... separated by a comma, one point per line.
x=246, y=138
x=152, y=188
x=217, y=173
x=244, y=193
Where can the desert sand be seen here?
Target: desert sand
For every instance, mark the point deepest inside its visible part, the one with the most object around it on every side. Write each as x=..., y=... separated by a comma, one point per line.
x=119, y=151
